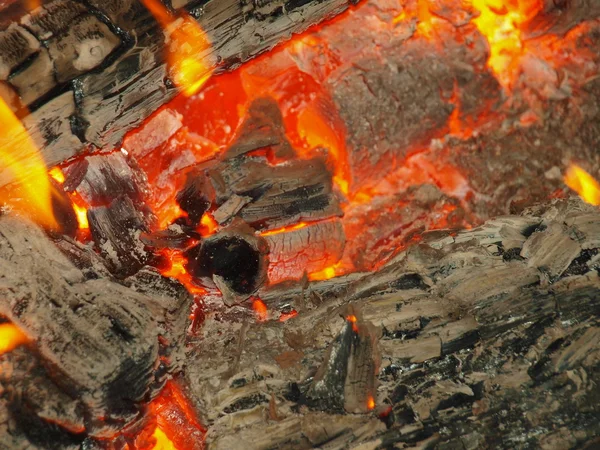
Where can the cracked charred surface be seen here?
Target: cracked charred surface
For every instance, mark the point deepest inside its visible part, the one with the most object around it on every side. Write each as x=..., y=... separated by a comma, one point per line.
x=473, y=339
x=94, y=356
x=91, y=71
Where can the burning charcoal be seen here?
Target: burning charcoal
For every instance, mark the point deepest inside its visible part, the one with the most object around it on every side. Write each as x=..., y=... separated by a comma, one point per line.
x=235, y=258
x=196, y=197
x=263, y=129
x=282, y=194
x=101, y=178
x=305, y=248
x=116, y=231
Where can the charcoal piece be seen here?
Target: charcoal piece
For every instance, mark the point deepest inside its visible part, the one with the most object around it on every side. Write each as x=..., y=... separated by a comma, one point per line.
x=282, y=194
x=196, y=197
x=235, y=258
x=101, y=178
x=94, y=344
x=230, y=208
x=116, y=231
x=172, y=237
x=263, y=129
x=311, y=248
x=346, y=379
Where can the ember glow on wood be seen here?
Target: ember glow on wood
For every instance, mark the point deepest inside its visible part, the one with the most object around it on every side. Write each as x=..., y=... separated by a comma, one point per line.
x=11, y=337
x=300, y=251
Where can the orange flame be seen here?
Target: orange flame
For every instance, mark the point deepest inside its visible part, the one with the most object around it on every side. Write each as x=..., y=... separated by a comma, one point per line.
x=208, y=225
x=260, y=308
x=297, y=226
x=11, y=337
x=19, y=157
x=176, y=269
x=353, y=319
x=584, y=184
x=284, y=317
x=162, y=441
x=499, y=21
x=78, y=203
x=188, y=45
x=370, y=403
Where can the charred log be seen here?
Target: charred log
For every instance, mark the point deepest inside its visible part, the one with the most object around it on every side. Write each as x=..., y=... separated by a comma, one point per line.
x=468, y=346
x=94, y=344
x=109, y=57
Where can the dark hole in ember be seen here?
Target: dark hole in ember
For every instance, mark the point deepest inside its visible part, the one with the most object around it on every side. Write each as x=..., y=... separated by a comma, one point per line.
x=232, y=258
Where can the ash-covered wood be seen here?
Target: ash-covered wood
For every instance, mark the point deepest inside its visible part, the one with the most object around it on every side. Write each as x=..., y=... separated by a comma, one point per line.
x=91, y=71
x=468, y=340
x=93, y=357
x=116, y=229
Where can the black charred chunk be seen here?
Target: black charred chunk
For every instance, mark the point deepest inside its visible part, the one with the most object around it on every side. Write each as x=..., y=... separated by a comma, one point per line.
x=230, y=257
x=196, y=197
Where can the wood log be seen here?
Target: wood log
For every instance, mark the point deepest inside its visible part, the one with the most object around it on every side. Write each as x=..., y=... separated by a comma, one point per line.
x=91, y=71
x=93, y=357
x=468, y=340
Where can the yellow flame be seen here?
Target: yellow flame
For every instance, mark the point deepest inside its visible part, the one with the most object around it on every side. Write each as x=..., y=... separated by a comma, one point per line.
x=11, y=337
x=187, y=45
x=584, y=184
x=57, y=174
x=162, y=441
x=499, y=21
x=19, y=156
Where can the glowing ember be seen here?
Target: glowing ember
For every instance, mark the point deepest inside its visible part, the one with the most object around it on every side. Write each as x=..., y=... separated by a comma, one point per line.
x=81, y=213
x=176, y=426
x=425, y=25
x=287, y=316
x=21, y=159
x=370, y=402
x=176, y=269
x=208, y=225
x=298, y=226
x=318, y=132
x=11, y=337
x=169, y=214
x=78, y=203
x=352, y=319
x=57, y=174
x=330, y=272
x=188, y=45
x=584, y=184
x=260, y=308
x=162, y=441
x=499, y=21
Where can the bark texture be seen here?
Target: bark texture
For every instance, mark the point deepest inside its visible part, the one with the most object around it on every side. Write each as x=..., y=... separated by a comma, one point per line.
x=486, y=338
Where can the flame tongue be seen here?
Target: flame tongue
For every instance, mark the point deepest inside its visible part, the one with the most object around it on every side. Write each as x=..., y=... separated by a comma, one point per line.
x=584, y=184
x=22, y=163
x=11, y=337
x=187, y=45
